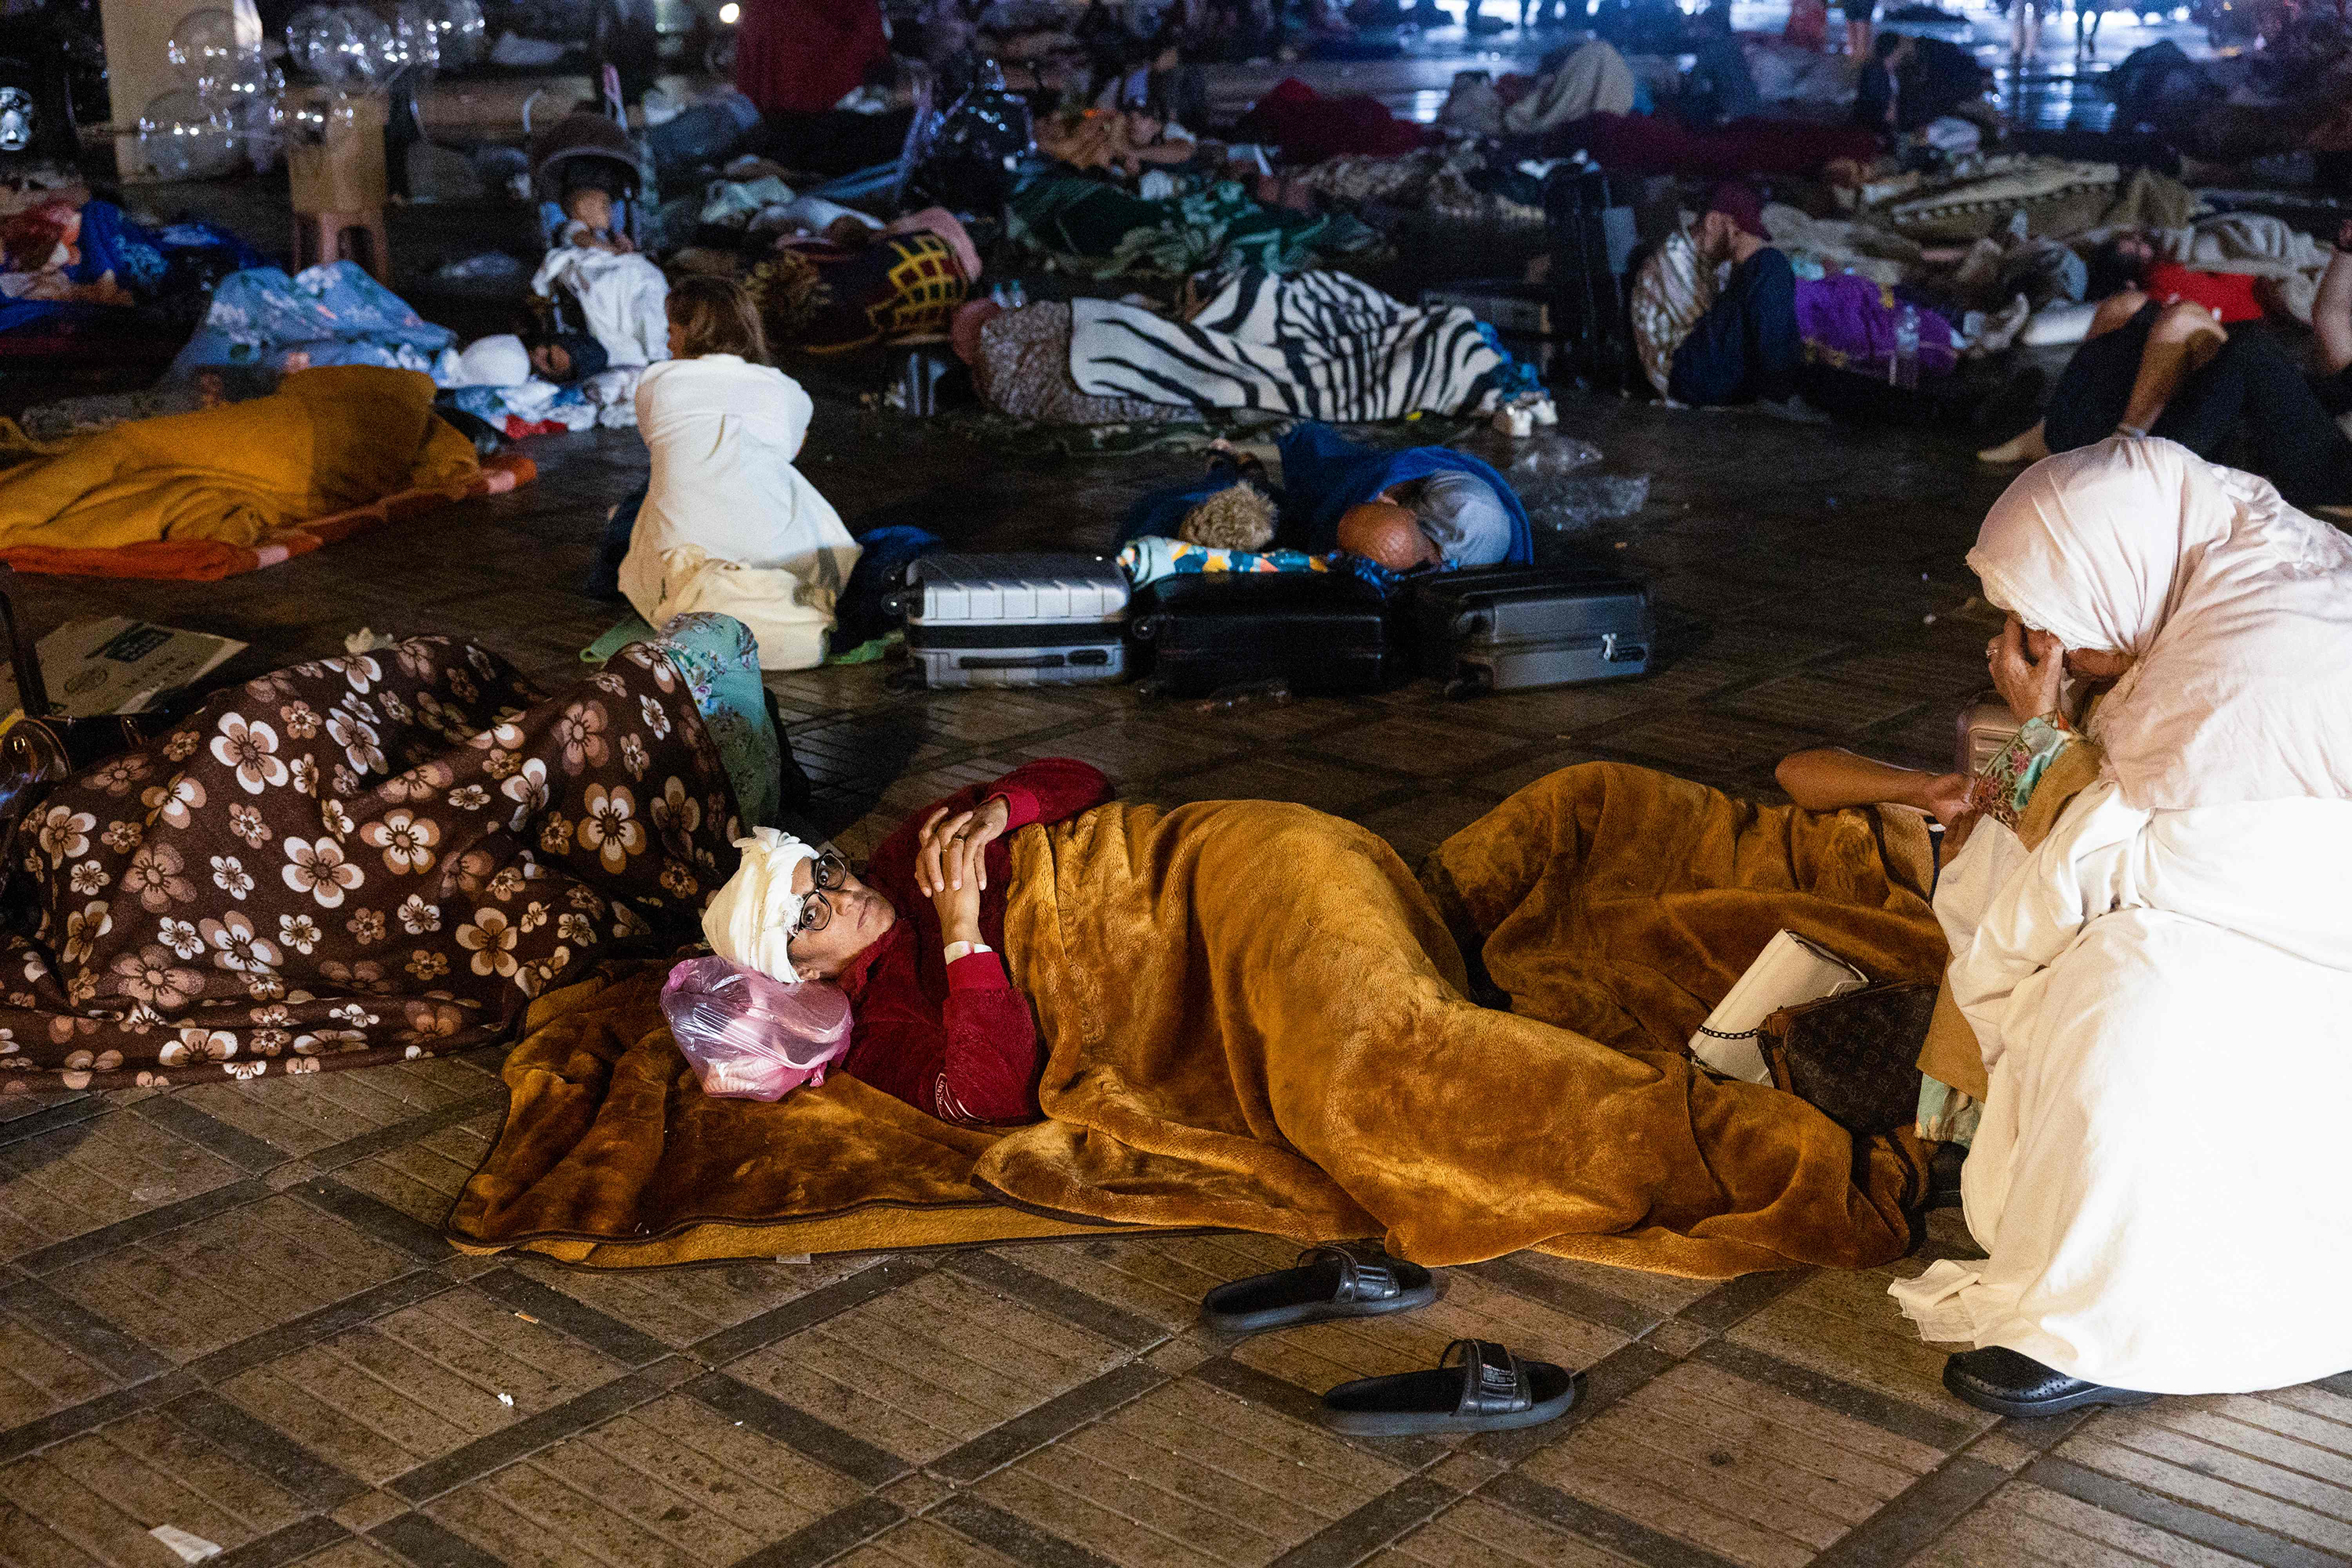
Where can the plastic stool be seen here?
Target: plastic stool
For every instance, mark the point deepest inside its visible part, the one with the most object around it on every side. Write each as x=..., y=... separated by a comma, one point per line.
x=323, y=237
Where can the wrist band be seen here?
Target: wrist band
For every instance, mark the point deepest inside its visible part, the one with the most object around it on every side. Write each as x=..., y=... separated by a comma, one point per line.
x=958, y=950
x=2132, y=430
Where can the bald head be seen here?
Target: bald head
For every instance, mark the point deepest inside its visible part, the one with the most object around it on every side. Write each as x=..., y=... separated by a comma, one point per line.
x=1387, y=534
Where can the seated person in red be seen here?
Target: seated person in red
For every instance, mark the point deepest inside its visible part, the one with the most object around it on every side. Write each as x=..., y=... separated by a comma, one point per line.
x=935, y=1020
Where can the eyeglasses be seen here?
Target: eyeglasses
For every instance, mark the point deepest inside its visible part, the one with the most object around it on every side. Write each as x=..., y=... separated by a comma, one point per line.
x=827, y=873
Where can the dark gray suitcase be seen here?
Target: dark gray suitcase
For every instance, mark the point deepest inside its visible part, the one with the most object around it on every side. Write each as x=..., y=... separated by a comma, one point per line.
x=1506, y=629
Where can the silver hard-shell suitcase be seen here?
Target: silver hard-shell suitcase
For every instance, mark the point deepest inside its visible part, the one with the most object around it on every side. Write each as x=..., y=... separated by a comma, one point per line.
x=1017, y=619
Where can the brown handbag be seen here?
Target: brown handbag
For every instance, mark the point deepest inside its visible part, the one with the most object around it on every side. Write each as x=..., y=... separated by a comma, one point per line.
x=1853, y=1058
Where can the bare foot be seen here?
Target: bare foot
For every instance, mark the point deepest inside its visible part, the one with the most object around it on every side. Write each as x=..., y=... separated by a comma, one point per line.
x=2029, y=448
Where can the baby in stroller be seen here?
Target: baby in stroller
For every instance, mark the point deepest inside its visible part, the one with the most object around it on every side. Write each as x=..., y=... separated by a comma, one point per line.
x=591, y=218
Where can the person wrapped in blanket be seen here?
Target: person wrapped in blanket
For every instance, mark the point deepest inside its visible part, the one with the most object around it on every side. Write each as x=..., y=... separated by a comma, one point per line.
x=857, y=283
x=1403, y=511
x=374, y=858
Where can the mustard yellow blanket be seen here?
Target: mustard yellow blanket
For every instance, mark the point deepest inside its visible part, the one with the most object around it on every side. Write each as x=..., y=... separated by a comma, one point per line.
x=328, y=439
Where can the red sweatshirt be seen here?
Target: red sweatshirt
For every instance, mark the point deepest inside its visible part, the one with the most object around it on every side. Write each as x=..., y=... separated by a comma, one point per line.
x=958, y=1043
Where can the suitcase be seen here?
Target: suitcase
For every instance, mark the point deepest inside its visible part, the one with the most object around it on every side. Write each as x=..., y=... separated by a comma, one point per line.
x=1016, y=620
x=1506, y=629
x=1324, y=634
x=1591, y=232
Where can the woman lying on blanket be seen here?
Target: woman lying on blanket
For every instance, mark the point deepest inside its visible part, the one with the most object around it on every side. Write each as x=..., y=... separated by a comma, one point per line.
x=939, y=1022
x=2172, y=368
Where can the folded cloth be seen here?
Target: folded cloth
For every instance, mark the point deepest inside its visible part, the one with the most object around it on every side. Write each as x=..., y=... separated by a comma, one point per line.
x=327, y=440
x=1149, y=558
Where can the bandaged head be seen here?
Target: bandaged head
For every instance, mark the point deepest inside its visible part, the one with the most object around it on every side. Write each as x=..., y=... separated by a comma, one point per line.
x=751, y=919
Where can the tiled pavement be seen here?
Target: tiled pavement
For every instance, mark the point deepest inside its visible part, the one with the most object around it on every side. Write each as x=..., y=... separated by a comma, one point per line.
x=227, y=1308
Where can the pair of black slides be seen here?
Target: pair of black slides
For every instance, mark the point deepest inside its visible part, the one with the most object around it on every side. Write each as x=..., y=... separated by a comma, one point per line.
x=1476, y=1386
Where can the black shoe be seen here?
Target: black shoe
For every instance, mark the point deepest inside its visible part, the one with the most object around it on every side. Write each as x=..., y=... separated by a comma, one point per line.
x=2000, y=1380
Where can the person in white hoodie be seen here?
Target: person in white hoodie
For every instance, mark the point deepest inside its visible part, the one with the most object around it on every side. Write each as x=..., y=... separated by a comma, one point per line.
x=728, y=523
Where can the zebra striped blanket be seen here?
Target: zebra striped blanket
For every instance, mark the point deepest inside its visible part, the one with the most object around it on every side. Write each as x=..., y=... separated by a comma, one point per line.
x=1320, y=344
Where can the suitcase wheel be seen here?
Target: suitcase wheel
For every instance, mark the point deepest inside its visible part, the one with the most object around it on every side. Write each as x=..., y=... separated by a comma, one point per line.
x=1469, y=684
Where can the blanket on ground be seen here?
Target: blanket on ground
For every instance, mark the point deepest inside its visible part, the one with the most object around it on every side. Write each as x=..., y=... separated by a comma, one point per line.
x=328, y=440
x=365, y=860
x=1254, y=1017
x=1321, y=344
x=1098, y=230
x=261, y=320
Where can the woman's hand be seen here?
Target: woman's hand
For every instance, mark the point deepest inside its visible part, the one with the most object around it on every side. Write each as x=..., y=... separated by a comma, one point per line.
x=957, y=898
x=2028, y=668
x=948, y=849
x=1949, y=798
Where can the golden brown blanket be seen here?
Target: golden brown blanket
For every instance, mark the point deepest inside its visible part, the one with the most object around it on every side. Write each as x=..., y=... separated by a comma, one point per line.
x=1254, y=1017
x=328, y=440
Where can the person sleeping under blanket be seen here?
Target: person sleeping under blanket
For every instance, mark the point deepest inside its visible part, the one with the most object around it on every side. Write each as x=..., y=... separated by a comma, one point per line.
x=374, y=858
x=330, y=438
x=1423, y=506
x=1248, y=1013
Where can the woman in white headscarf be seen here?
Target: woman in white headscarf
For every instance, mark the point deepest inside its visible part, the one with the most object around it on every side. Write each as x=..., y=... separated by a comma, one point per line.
x=2159, y=980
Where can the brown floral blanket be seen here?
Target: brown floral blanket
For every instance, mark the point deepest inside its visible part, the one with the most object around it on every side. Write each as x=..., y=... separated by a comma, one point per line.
x=354, y=861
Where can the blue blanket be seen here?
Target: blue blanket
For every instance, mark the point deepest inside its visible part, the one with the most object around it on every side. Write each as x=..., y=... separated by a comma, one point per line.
x=335, y=314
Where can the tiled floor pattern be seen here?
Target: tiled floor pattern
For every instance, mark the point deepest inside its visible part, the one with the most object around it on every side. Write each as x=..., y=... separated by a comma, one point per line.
x=228, y=1308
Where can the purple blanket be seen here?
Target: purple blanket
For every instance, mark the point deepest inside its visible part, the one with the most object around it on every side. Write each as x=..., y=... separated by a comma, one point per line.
x=1848, y=321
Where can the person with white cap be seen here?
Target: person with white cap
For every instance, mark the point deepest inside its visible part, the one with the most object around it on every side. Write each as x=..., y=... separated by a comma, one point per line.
x=913, y=942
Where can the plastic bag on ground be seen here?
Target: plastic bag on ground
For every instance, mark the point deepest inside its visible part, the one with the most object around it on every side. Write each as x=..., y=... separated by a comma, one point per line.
x=749, y=1036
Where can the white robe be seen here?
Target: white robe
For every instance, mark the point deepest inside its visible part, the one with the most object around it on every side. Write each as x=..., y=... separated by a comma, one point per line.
x=723, y=495
x=2164, y=1000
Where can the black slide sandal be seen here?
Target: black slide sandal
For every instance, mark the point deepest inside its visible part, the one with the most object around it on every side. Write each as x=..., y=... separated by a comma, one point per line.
x=1490, y=1390
x=1329, y=1282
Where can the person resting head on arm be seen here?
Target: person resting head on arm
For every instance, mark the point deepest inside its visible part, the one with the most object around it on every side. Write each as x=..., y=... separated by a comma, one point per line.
x=913, y=942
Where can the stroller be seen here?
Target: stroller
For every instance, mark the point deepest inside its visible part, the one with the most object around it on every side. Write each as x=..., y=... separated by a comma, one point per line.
x=591, y=146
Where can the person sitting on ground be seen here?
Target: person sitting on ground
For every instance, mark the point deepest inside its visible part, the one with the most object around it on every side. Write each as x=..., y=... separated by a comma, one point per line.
x=2176, y=372
x=2155, y=984
x=1911, y=80
x=1702, y=346
x=588, y=221
x=722, y=427
x=1405, y=511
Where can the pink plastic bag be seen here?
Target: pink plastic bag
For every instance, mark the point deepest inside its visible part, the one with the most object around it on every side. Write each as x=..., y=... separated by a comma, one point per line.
x=749, y=1036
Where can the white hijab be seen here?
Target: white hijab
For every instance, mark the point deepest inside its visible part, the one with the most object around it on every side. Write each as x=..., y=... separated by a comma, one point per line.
x=2235, y=607
x=749, y=920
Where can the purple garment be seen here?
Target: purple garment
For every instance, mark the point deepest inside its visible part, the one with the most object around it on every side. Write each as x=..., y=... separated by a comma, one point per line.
x=1848, y=321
